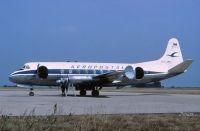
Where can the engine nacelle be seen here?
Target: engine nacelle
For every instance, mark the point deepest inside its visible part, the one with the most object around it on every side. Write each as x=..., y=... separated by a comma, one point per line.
x=130, y=73
x=42, y=72
x=139, y=73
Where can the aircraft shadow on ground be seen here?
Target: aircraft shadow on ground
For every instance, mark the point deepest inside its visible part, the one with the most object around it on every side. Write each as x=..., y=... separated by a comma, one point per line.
x=142, y=94
x=101, y=96
x=89, y=96
x=108, y=96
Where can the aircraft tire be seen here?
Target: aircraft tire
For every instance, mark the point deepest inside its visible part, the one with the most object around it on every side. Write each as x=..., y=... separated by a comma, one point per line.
x=83, y=92
x=95, y=93
x=31, y=93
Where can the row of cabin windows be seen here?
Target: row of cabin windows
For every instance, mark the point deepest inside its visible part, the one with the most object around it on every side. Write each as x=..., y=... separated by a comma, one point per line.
x=76, y=71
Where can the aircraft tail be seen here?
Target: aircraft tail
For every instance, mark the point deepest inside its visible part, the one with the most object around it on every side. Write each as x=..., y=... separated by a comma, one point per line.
x=172, y=55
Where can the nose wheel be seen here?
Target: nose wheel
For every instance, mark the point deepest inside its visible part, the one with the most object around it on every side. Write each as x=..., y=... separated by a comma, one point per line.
x=31, y=93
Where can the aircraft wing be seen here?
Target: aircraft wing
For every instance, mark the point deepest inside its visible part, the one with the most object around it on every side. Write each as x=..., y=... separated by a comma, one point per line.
x=109, y=77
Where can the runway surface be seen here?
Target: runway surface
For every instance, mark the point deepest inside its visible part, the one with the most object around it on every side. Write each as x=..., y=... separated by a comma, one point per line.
x=43, y=103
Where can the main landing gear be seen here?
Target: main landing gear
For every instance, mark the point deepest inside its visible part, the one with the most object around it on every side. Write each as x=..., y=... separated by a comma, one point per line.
x=95, y=91
x=31, y=93
x=83, y=92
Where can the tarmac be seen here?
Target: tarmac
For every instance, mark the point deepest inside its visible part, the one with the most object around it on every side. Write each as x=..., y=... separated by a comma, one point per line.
x=18, y=103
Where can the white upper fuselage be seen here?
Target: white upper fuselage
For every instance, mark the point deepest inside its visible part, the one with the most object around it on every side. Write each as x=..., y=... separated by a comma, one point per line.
x=147, y=66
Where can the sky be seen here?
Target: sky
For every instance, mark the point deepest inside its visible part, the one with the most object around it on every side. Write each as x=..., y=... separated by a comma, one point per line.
x=127, y=31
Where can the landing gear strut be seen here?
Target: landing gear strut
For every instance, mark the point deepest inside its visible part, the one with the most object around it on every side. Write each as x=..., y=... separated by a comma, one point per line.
x=95, y=91
x=31, y=93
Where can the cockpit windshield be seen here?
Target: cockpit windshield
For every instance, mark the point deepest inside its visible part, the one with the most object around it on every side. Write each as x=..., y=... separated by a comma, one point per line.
x=25, y=67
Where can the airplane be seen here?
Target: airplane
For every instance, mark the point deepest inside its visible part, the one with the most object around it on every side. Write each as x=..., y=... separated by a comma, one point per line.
x=85, y=76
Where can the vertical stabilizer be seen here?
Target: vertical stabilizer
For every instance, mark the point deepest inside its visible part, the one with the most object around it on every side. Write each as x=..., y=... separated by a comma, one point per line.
x=172, y=55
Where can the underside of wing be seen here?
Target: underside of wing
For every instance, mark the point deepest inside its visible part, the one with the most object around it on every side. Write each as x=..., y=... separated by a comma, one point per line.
x=109, y=77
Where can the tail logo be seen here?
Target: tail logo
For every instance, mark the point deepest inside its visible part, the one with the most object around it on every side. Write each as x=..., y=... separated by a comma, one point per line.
x=173, y=54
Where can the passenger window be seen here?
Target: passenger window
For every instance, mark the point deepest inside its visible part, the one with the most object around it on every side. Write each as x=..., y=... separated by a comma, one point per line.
x=66, y=72
x=98, y=71
x=70, y=71
x=105, y=71
x=90, y=71
x=62, y=71
x=75, y=71
x=83, y=72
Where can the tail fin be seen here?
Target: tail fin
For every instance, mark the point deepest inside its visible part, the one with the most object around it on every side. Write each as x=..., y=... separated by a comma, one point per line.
x=172, y=55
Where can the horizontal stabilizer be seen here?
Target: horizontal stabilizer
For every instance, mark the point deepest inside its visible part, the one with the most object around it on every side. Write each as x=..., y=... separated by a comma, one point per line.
x=180, y=68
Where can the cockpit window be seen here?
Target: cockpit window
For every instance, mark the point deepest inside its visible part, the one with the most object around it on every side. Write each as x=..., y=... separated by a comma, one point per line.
x=25, y=67
x=22, y=68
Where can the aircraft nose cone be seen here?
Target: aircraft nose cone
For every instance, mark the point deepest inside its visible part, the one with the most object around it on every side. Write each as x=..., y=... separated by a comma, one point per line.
x=11, y=78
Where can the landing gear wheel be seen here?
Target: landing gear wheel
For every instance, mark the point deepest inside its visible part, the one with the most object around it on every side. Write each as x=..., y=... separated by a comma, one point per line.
x=95, y=93
x=83, y=92
x=31, y=93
